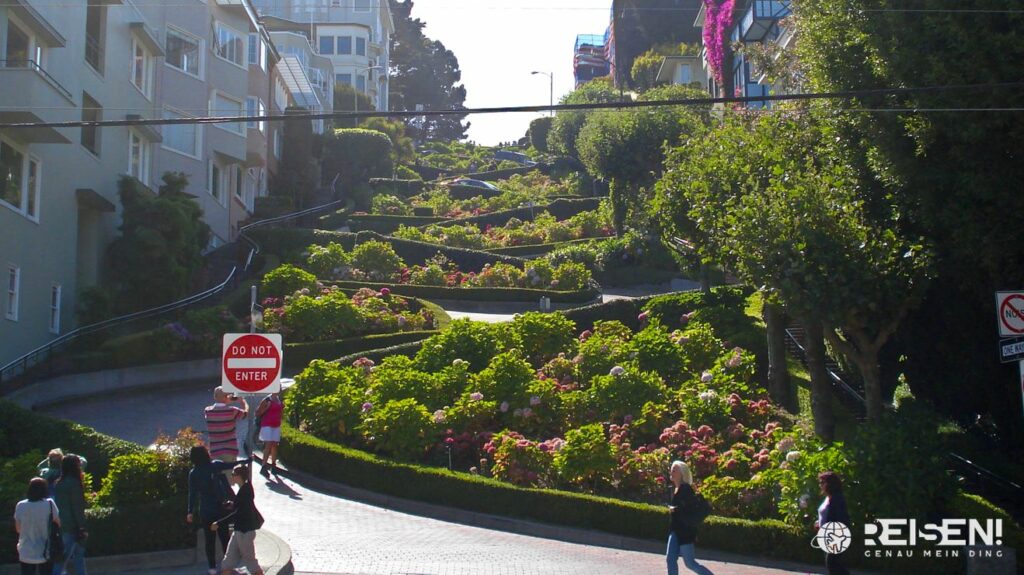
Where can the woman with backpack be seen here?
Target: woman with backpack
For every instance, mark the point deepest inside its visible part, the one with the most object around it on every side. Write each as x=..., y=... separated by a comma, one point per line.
x=270, y=412
x=241, y=549
x=33, y=517
x=210, y=498
x=69, y=495
x=688, y=511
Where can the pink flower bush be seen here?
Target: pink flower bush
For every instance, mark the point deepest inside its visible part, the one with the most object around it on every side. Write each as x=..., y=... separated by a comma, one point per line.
x=717, y=21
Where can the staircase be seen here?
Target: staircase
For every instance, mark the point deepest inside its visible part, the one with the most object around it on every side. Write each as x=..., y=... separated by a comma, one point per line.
x=849, y=389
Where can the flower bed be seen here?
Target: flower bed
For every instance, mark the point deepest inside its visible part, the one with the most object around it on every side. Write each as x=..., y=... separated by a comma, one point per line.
x=377, y=261
x=517, y=191
x=544, y=229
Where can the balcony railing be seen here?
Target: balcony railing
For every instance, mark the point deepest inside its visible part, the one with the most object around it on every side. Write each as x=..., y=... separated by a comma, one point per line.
x=759, y=18
x=33, y=65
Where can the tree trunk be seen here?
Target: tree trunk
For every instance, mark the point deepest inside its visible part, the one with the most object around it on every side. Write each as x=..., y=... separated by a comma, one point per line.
x=617, y=194
x=821, y=386
x=704, y=273
x=871, y=371
x=779, y=385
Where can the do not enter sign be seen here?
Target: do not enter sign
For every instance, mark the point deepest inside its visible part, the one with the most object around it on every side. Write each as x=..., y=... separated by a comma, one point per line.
x=1010, y=307
x=251, y=363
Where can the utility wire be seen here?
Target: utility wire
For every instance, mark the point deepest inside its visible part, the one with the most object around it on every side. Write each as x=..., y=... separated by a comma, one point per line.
x=707, y=102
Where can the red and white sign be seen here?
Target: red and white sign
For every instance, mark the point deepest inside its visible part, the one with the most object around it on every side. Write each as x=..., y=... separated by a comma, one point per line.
x=251, y=363
x=1010, y=307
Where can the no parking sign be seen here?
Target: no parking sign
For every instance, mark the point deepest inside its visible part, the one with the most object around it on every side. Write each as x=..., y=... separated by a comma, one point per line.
x=251, y=363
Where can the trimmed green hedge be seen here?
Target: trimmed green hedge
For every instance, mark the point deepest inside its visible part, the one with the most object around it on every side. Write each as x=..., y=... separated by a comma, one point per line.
x=155, y=527
x=416, y=253
x=406, y=349
x=298, y=355
x=387, y=224
x=562, y=209
x=461, y=192
x=537, y=249
x=473, y=493
x=477, y=293
x=280, y=241
x=400, y=188
x=495, y=175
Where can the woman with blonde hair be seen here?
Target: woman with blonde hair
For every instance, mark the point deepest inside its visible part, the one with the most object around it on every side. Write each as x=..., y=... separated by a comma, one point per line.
x=688, y=511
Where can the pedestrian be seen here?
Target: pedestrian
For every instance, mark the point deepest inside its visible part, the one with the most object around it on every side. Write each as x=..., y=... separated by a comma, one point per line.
x=688, y=511
x=247, y=520
x=70, y=500
x=832, y=510
x=270, y=412
x=209, y=499
x=32, y=518
x=221, y=422
x=49, y=468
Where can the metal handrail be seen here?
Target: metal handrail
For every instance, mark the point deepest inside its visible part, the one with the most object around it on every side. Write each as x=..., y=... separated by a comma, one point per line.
x=33, y=65
x=33, y=357
x=847, y=388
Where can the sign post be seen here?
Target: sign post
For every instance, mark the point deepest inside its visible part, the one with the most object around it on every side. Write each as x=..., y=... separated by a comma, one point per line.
x=251, y=365
x=1010, y=311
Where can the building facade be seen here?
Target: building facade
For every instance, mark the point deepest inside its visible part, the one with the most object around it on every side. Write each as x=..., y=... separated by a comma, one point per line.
x=355, y=35
x=590, y=57
x=94, y=60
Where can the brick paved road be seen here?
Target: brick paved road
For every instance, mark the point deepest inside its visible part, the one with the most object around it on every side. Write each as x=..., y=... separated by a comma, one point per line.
x=333, y=535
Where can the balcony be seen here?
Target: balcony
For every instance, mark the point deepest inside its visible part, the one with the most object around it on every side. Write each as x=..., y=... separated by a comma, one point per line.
x=30, y=94
x=759, y=18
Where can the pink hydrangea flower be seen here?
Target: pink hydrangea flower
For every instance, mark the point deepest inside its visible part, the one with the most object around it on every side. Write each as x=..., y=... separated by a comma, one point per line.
x=504, y=407
x=535, y=401
x=476, y=396
x=367, y=407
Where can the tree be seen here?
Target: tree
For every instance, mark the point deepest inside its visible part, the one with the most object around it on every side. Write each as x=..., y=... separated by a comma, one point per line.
x=296, y=176
x=403, y=151
x=627, y=147
x=345, y=100
x=425, y=73
x=567, y=124
x=356, y=156
x=160, y=249
x=538, y=133
x=786, y=206
x=953, y=174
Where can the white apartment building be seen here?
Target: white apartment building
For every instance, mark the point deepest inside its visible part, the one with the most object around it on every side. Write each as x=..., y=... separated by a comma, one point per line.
x=117, y=60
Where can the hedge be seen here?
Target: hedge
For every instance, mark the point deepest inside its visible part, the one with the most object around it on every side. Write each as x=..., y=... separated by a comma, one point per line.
x=462, y=192
x=387, y=224
x=494, y=175
x=537, y=249
x=478, y=293
x=429, y=172
x=280, y=241
x=561, y=208
x=416, y=252
x=118, y=531
x=407, y=349
x=298, y=355
x=400, y=188
x=483, y=495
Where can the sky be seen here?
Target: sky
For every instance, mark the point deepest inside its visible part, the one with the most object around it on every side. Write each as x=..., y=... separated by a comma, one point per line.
x=498, y=44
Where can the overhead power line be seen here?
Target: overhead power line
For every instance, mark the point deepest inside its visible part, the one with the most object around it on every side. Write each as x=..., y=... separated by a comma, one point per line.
x=844, y=95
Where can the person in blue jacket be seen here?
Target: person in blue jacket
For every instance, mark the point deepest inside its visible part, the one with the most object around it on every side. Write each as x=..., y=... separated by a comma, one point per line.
x=210, y=498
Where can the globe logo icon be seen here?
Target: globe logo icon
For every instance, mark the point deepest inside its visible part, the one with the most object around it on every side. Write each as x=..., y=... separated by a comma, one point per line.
x=833, y=538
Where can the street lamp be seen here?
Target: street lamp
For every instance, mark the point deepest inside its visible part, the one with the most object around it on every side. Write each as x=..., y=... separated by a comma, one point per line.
x=551, y=77
x=355, y=96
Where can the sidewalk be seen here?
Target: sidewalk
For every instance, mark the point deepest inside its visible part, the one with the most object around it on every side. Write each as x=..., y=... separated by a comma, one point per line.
x=273, y=554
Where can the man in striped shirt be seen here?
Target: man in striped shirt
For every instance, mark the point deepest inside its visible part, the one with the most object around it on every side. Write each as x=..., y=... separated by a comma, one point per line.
x=221, y=420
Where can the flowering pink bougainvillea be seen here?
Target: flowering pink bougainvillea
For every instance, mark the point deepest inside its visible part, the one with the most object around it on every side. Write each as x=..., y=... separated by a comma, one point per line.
x=717, y=21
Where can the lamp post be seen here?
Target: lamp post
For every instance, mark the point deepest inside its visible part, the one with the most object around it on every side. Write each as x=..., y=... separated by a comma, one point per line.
x=551, y=78
x=355, y=97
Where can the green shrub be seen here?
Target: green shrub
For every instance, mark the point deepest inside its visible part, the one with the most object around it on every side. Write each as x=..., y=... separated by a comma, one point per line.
x=506, y=378
x=400, y=428
x=542, y=336
x=615, y=396
x=389, y=205
x=138, y=477
x=287, y=280
x=378, y=257
x=326, y=261
x=571, y=276
x=586, y=456
x=299, y=355
x=467, y=340
x=131, y=529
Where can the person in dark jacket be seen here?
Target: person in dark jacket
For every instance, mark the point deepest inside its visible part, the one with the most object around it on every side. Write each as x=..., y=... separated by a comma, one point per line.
x=209, y=498
x=247, y=520
x=832, y=510
x=69, y=495
x=686, y=518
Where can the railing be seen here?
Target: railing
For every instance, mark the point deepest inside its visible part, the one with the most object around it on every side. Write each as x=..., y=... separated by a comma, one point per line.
x=33, y=65
x=20, y=367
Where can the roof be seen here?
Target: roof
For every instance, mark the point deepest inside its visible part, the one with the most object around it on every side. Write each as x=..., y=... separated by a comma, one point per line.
x=293, y=74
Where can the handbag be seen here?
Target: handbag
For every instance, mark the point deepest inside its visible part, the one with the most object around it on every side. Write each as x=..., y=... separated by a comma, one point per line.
x=55, y=543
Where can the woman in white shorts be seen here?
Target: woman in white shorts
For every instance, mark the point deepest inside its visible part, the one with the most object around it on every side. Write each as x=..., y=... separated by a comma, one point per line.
x=270, y=412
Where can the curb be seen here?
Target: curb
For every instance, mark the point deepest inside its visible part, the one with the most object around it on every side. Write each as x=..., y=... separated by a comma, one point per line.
x=528, y=528
x=130, y=562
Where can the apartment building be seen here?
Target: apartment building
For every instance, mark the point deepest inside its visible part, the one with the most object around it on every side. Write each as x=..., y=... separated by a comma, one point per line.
x=355, y=35
x=590, y=57
x=92, y=60
x=682, y=70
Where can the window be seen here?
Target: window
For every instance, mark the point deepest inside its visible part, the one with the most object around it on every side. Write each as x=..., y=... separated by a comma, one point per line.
x=360, y=46
x=230, y=45
x=95, y=15
x=32, y=189
x=19, y=180
x=344, y=44
x=55, y=308
x=684, y=75
x=361, y=83
x=216, y=184
x=327, y=44
x=142, y=76
x=277, y=143
x=138, y=157
x=345, y=79
x=225, y=106
x=362, y=5
x=257, y=51
x=183, y=52
x=254, y=107
x=183, y=138
x=238, y=182
x=19, y=47
x=91, y=112
x=13, y=291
